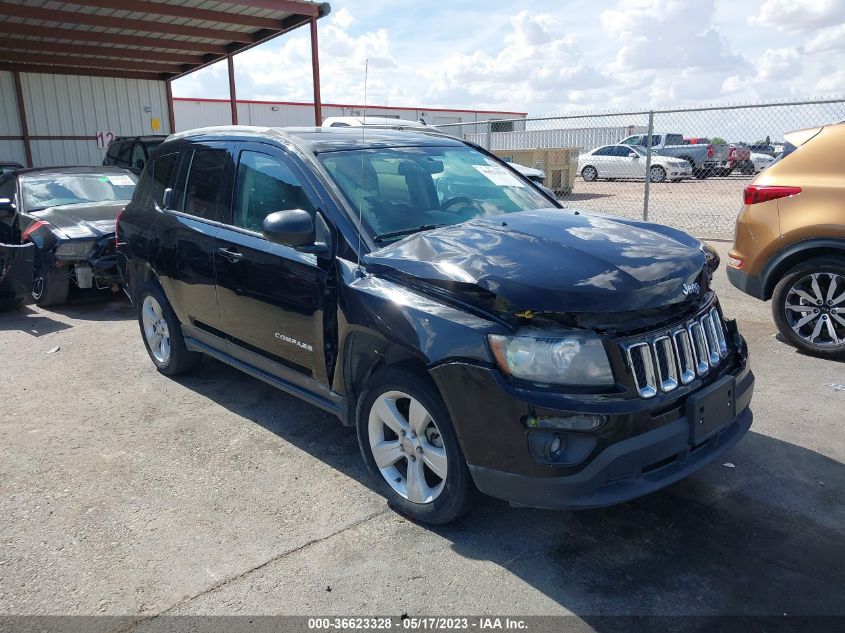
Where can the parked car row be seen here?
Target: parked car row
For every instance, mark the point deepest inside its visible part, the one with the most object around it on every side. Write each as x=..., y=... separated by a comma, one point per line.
x=673, y=158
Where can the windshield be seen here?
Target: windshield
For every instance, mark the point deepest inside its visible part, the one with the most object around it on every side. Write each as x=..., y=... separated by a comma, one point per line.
x=41, y=192
x=402, y=190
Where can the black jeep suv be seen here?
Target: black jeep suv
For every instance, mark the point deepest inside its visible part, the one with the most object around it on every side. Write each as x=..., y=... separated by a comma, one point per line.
x=477, y=334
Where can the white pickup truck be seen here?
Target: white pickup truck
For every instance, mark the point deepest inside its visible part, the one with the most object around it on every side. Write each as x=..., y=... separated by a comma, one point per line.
x=705, y=158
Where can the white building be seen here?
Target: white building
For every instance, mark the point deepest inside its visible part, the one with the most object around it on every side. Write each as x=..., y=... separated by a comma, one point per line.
x=194, y=113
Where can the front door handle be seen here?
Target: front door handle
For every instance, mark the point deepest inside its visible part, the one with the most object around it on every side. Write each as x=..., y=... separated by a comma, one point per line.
x=232, y=256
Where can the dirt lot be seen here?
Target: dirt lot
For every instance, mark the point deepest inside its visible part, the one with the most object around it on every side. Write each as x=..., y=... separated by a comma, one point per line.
x=702, y=207
x=125, y=492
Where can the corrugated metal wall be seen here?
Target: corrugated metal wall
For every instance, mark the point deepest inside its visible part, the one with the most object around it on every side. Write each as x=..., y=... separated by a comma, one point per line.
x=79, y=106
x=9, y=123
x=583, y=139
x=192, y=114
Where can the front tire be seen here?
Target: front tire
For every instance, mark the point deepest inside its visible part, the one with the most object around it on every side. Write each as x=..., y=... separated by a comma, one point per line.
x=410, y=447
x=589, y=173
x=50, y=285
x=808, y=306
x=162, y=333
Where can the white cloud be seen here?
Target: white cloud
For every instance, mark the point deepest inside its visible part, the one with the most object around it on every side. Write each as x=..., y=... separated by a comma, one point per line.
x=638, y=53
x=799, y=15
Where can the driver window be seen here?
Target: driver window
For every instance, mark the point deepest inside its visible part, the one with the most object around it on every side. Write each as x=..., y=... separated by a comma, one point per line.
x=265, y=185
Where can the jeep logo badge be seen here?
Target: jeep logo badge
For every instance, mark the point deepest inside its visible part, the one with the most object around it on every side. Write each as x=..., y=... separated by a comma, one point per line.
x=691, y=289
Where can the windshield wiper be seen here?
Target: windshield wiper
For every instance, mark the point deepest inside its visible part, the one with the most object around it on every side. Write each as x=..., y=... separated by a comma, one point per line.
x=425, y=227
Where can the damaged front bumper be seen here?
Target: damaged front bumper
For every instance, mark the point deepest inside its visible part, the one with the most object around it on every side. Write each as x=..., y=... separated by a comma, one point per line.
x=636, y=446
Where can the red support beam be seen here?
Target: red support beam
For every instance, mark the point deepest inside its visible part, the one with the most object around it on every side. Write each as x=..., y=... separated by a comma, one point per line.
x=88, y=62
x=27, y=148
x=288, y=6
x=233, y=97
x=179, y=11
x=106, y=21
x=170, y=113
x=70, y=70
x=315, y=72
x=40, y=46
x=97, y=37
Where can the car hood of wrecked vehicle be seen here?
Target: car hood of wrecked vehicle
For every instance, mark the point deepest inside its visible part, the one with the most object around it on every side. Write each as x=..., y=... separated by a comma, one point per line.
x=551, y=260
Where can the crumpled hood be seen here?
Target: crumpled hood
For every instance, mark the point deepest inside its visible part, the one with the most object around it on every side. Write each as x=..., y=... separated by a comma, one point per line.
x=92, y=220
x=552, y=260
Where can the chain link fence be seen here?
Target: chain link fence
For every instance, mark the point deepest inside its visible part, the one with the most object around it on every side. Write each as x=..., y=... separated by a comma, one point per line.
x=698, y=160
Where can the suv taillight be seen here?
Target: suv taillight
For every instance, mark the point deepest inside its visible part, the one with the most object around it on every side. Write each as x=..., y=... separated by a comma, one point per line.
x=710, y=151
x=753, y=194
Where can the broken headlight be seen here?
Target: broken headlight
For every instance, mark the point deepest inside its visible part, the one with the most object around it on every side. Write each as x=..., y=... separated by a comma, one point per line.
x=75, y=249
x=561, y=358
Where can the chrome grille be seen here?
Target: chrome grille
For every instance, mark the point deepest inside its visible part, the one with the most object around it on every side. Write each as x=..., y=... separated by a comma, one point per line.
x=661, y=361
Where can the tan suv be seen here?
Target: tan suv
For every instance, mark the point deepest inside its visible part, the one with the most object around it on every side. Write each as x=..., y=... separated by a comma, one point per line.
x=790, y=240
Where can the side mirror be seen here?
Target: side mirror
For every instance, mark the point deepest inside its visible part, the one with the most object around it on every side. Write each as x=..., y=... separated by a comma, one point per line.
x=633, y=155
x=7, y=208
x=294, y=228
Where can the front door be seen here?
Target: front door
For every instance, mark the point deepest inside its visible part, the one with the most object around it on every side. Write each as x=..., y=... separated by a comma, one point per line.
x=270, y=296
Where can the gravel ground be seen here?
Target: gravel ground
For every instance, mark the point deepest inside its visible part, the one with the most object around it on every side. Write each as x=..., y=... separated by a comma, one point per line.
x=702, y=207
x=124, y=492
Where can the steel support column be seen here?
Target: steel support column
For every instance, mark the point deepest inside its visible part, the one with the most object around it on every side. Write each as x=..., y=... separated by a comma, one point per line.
x=27, y=148
x=170, y=114
x=233, y=97
x=315, y=71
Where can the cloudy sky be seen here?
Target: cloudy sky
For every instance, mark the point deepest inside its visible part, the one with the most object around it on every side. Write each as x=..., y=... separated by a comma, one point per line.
x=544, y=57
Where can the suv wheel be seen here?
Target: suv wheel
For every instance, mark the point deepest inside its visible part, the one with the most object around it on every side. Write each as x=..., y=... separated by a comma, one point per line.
x=162, y=334
x=809, y=307
x=50, y=286
x=410, y=446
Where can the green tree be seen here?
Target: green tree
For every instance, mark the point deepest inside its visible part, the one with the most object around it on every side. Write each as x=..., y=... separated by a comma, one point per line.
x=718, y=140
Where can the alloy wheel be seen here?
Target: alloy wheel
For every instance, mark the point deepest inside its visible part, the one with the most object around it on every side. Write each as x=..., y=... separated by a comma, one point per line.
x=815, y=309
x=589, y=174
x=156, y=330
x=657, y=174
x=407, y=447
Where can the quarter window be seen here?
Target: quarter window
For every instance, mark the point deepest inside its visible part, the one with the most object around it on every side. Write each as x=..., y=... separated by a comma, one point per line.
x=265, y=185
x=163, y=175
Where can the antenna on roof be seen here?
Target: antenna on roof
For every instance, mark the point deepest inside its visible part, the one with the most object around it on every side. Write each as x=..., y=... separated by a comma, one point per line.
x=361, y=188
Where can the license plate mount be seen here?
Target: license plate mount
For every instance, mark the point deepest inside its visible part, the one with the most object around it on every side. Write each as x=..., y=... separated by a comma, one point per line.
x=711, y=409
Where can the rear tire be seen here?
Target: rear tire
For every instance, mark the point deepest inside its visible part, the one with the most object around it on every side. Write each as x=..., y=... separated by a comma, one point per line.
x=50, y=286
x=589, y=173
x=162, y=333
x=421, y=469
x=657, y=174
x=805, y=323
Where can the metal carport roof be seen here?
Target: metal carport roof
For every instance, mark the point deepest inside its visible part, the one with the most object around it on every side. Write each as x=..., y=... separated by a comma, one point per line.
x=140, y=39
x=143, y=39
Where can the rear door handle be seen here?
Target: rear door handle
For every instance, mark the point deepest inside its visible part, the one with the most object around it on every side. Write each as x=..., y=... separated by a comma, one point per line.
x=232, y=256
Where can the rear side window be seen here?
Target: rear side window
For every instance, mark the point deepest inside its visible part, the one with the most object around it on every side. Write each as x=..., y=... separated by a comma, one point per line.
x=162, y=175
x=200, y=195
x=139, y=156
x=265, y=185
x=124, y=153
x=114, y=149
x=604, y=151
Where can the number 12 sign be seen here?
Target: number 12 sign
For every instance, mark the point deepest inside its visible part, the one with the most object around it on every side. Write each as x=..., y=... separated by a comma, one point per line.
x=104, y=139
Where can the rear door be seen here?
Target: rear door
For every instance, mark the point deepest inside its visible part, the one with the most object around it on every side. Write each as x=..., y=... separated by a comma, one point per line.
x=188, y=232
x=270, y=296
